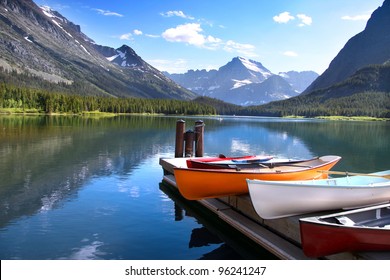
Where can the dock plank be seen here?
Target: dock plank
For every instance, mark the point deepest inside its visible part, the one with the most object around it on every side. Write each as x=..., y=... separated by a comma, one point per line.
x=267, y=239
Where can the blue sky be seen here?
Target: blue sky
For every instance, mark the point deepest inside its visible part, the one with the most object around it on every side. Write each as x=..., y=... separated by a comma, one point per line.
x=178, y=35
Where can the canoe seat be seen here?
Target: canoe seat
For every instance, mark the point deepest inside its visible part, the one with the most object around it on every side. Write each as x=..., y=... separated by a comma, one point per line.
x=383, y=222
x=345, y=221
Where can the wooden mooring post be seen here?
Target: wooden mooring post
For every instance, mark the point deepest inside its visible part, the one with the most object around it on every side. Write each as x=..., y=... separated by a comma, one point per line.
x=179, y=144
x=199, y=131
x=189, y=138
x=187, y=141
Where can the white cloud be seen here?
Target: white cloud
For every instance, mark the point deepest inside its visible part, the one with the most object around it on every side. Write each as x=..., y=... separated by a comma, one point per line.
x=212, y=39
x=130, y=36
x=306, y=20
x=283, y=17
x=186, y=33
x=290, y=53
x=357, y=17
x=176, y=14
x=137, y=32
x=152, y=36
x=190, y=33
x=127, y=36
x=247, y=50
x=107, y=13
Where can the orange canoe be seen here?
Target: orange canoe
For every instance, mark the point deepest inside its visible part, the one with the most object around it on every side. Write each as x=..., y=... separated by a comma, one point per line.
x=196, y=184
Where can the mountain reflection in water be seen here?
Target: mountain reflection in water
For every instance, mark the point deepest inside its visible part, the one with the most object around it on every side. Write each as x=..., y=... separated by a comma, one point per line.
x=90, y=188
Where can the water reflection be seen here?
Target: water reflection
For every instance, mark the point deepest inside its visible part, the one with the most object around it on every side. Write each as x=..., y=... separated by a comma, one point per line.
x=213, y=231
x=45, y=160
x=88, y=251
x=87, y=188
x=200, y=237
x=362, y=145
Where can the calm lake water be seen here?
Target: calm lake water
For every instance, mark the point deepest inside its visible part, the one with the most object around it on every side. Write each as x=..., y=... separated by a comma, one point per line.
x=84, y=188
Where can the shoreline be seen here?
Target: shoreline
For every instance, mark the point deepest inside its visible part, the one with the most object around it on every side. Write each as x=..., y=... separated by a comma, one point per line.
x=32, y=112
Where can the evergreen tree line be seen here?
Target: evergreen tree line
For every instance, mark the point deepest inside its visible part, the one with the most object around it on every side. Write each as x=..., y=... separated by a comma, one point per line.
x=365, y=104
x=369, y=103
x=36, y=100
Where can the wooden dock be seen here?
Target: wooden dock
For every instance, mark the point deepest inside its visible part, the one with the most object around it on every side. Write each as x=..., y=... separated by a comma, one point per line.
x=281, y=237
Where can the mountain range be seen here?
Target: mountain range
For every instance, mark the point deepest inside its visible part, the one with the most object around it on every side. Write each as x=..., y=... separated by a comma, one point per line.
x=245, y=82
x=44, y=47
x=39, y=48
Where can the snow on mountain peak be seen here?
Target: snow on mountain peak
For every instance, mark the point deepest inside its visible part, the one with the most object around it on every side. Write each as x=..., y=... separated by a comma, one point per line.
x=284, y=75
x=111, y=58
x=240, y=83
x=47, y=11
x=255, y=66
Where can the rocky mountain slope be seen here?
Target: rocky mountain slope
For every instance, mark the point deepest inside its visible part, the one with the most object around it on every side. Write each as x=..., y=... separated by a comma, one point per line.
x=371, y=46
x=372, y=78
x=42, y=44
x=357, y=82
x=245, y=82
x=365, y=93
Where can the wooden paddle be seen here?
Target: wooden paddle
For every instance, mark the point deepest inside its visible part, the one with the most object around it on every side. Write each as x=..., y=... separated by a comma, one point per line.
x=387, y=176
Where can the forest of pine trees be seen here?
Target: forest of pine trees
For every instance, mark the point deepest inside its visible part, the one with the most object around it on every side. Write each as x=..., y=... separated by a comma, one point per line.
x=41, y=101
x=369, y=104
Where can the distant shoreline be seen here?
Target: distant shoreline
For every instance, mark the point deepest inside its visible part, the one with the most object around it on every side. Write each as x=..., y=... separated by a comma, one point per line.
x=17, y=111
x=353, y=118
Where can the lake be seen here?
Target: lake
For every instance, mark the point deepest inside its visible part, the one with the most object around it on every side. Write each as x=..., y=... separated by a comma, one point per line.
x=90, y=188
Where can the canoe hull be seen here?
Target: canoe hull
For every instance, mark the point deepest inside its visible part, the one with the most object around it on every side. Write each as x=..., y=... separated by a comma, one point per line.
x=195, y=184
x=323, y=235
x=273, y=200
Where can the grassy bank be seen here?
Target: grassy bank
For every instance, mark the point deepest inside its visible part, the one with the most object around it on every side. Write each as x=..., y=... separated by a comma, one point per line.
x=359, y=118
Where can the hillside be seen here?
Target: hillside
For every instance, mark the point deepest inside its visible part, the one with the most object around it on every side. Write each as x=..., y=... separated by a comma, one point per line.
x=366, y=93
x=371, y=46
x=42, y=49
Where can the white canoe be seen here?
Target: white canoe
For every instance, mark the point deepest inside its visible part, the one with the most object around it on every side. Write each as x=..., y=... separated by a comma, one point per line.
x=278, y=199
